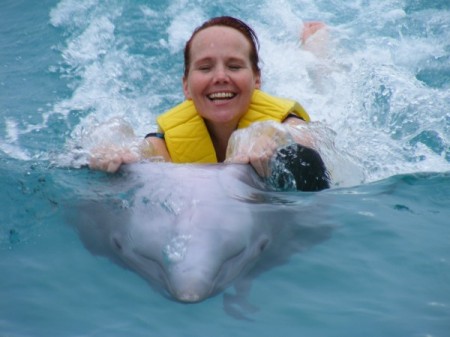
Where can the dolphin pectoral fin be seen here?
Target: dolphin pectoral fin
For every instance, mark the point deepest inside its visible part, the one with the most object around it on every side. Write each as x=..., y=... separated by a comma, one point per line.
x=237, y=305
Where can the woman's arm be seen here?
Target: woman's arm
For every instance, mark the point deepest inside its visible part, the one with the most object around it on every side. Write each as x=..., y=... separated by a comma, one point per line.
x=159, y=147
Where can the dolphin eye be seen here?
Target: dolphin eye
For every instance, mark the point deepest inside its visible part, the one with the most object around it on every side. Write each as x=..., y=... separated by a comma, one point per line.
x=116, y=243
x=263, y=245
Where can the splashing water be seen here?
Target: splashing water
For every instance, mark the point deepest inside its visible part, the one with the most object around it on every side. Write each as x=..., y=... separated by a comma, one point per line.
x=379, y=91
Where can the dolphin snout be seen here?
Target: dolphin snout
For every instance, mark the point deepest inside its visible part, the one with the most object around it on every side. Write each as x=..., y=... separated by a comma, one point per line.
x=189, y=285
x=191, y=291
x=188, y=297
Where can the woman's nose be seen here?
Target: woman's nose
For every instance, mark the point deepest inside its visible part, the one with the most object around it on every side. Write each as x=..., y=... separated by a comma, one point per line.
x=220, y=74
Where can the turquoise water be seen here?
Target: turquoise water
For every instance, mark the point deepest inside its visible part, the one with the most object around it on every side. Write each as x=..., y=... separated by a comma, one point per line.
x=382, y=95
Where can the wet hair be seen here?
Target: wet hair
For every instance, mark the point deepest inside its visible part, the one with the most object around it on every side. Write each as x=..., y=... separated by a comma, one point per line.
x=227, y=21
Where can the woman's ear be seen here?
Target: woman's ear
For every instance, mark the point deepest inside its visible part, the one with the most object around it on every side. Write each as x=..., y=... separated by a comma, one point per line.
x=186, y=92
x=258, y=81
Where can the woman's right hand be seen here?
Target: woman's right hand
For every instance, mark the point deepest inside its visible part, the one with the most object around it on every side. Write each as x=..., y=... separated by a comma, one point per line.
x=110, y=158
x=113, y=143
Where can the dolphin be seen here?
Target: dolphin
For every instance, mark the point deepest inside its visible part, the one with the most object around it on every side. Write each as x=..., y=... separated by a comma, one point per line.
x=193, y=230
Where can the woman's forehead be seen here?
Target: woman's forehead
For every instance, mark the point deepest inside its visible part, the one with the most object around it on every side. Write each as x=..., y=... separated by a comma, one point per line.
x=218, y=38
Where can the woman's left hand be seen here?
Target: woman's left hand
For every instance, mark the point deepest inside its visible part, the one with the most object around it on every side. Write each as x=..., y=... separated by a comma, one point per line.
x=257, y=144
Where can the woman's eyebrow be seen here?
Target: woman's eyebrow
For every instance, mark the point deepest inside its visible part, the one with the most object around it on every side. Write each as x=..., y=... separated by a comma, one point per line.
x=203, y=60
x=236, y=59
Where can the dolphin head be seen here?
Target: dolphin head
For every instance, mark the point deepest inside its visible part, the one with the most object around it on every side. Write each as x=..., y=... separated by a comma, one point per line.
x=192, y=255
x=188, y=230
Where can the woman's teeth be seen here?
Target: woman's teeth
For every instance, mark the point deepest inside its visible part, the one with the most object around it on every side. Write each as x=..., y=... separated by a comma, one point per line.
x=221, y=95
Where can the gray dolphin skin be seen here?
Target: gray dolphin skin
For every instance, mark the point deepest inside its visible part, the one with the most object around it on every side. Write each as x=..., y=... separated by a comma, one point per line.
x=193, y=230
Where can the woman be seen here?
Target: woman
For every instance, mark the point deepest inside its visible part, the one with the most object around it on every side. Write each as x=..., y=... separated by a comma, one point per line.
x=221, y=84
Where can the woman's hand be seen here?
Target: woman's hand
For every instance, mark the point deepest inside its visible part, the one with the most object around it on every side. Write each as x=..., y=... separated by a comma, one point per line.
x=257, y=154
x=113, y=143
x=257, y=144
x=110, y=158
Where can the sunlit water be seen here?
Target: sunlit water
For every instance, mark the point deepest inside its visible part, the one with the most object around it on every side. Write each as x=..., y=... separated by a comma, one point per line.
x=379, y=97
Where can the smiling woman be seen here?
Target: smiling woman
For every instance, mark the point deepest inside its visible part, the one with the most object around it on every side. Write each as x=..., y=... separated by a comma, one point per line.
x=221, y=85
x=220, y=81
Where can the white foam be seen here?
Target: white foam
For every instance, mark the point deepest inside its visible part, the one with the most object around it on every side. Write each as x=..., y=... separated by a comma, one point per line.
x=14, y=151
x=96, y=41
x=10, y=145
x=11, y=130
x=181, y=27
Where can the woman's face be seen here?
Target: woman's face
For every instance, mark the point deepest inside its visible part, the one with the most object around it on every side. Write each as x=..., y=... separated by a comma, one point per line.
x=220, y=80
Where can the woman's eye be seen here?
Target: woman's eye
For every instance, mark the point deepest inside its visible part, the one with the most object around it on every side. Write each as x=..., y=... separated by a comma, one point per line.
x=204, y=68
x=235, y=67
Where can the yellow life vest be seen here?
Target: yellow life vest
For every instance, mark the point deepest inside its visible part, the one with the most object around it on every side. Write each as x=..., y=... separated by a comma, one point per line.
x=187, y=137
